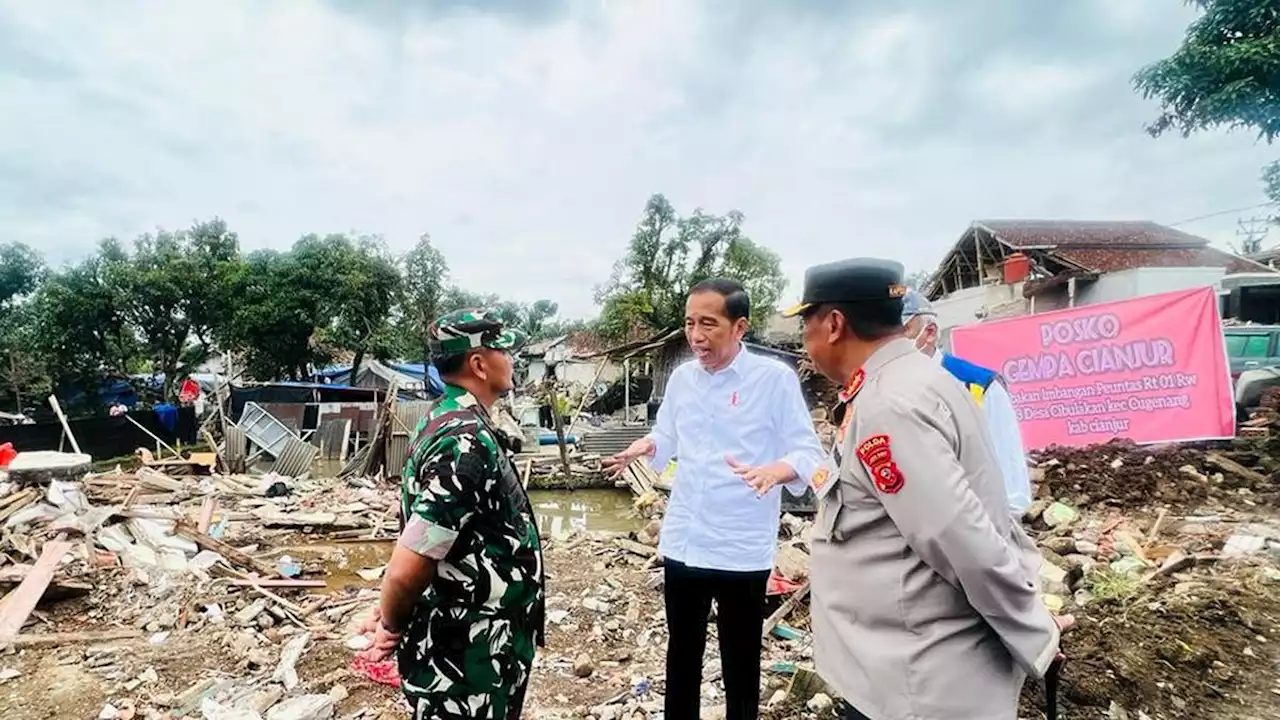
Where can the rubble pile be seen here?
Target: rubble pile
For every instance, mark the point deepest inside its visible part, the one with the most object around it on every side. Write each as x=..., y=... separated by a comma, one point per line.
x=1168, y=559
x=237, y=597
x=1122, y=475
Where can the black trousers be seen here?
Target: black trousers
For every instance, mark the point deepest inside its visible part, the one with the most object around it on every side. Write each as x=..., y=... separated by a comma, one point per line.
x=739, y=598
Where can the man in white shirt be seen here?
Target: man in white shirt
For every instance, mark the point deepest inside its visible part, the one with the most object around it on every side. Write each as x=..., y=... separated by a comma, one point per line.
x=729, y=415
x=987, y=389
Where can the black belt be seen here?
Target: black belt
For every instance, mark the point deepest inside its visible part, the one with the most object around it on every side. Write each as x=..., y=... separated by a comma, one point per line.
x=1051, y=679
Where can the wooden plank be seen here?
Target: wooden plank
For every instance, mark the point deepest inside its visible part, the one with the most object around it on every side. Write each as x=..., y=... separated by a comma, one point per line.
x=782, y=612
x=637, y=548
x=17, y=606
x=206, y=514
x=280, y=583
x=74, y=638
x=231, y=554
x=1235, y=468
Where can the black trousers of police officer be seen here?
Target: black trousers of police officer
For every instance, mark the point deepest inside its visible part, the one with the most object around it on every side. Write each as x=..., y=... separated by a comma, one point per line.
x=739, y=599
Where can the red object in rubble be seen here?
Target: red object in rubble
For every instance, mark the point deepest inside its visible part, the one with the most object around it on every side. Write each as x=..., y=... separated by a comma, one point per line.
x=7, y=454
x=385, y=672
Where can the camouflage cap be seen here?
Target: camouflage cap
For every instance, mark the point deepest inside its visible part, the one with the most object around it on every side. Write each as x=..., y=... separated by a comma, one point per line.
x=463, y=330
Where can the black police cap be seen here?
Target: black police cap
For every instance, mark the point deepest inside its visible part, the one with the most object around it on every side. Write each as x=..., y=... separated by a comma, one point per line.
x=857, y=280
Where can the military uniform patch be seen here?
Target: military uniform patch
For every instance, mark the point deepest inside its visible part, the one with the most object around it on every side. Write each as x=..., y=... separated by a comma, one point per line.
x=820, y=478
x=874, y=452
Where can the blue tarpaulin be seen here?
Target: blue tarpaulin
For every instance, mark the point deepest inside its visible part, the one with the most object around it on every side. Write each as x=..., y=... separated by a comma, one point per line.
x=168, y=416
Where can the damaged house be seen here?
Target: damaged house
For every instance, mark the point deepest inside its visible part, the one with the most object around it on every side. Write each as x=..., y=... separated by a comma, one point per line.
x=1006, y=268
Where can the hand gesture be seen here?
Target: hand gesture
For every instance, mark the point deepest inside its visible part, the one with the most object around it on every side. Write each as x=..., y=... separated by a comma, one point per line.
x=617, y=463
x=763, y=478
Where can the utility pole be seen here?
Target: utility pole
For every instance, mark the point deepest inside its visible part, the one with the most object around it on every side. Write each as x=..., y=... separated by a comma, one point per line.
x=1252, y=232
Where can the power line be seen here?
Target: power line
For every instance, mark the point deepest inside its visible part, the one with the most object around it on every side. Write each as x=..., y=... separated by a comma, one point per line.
x=1223, y=212
x=1252, y=232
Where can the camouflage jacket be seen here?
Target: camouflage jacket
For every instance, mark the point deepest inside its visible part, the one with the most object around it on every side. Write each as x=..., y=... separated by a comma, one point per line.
x=463, y=506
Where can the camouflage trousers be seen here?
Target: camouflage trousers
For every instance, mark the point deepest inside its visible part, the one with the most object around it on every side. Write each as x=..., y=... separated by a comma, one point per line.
x=466, y=668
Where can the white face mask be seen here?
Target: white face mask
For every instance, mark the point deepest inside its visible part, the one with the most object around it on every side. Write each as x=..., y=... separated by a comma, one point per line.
x=922, y=339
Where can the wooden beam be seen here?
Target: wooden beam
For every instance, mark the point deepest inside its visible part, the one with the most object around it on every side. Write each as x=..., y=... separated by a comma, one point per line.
x=266, y=583
x=22, y=641
x=17, y=605
x=206, y=514
x=225, y=550
x=781, y=613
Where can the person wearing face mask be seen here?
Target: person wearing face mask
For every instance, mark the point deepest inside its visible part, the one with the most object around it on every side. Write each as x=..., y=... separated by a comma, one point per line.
x=923, y=604
x=987, y=388
x=735, y=420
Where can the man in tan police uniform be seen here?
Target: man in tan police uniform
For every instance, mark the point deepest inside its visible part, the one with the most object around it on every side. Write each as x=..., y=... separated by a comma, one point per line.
x=924, y=607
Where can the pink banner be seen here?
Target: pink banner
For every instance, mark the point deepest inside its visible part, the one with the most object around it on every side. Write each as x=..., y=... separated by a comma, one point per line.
x=1151, y=369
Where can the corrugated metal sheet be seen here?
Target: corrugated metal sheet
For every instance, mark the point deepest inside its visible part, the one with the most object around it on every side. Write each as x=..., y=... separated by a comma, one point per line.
x=403, y=426
x=611, y=440
x=333, y=438
x=236, y=451
x=296, y=458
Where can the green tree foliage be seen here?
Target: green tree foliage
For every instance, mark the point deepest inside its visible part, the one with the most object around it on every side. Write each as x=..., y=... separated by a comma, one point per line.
x=276, y=317
x=425, y=273
x=536, y=319
x=1226, y=74
x=21, y=376
x=669, y=254
x=176, y=294
x=365, y=292
x=80, y=322
x=21, y=269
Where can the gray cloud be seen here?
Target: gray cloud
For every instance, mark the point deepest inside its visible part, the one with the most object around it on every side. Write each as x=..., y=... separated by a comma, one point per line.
x=525, y=136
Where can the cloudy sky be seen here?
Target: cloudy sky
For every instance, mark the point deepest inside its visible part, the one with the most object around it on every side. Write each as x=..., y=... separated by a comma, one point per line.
x=526, y=135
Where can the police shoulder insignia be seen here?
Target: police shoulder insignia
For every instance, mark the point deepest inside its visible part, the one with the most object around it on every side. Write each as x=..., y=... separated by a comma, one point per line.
x=820, y=478
x=852, y=387
x=874, y=452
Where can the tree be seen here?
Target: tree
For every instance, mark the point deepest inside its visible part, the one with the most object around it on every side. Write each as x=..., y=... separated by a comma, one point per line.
x=917, y=280
x=21, y=270
x=177, y=295
x=21, y=375
x=1226, y=74
x=366, y=288
x=276, y=318
x=425, y=274
x=536, y=319
x=79, y=322
x=669, y=254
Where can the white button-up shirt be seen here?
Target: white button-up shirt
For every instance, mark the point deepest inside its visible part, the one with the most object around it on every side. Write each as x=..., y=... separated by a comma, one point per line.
x=1002, y=423
x=754, y=412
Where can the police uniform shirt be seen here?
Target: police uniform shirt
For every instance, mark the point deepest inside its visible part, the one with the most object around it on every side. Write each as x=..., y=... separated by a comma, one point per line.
x=924, y=602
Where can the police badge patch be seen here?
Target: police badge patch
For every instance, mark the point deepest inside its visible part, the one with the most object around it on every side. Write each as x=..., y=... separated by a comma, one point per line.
x=875, y=454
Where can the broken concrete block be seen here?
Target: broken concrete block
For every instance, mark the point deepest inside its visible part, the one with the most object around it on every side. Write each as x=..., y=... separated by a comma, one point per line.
x=305, y=707
x=1053, y=580
x=1060, y=515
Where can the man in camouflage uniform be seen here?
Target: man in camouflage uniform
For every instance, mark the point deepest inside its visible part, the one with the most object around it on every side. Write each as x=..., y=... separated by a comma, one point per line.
x=462, y=598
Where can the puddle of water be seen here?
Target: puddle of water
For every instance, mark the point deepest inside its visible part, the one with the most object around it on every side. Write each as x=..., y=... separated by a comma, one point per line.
x=342, y=562
x=563, y=511
x=559, y=513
